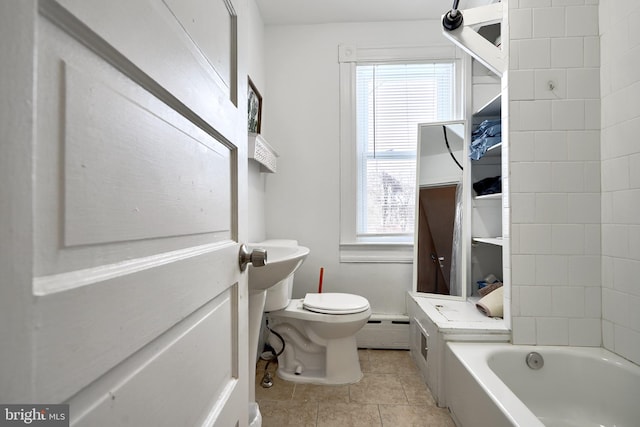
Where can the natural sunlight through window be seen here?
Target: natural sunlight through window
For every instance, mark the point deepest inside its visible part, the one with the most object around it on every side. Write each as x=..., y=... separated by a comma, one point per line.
x=391, y=100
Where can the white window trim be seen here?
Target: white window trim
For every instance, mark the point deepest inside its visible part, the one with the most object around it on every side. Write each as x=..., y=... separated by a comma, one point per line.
x=351, y=248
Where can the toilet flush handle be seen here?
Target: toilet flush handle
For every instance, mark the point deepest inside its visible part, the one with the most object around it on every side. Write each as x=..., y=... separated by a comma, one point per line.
x=257, y=257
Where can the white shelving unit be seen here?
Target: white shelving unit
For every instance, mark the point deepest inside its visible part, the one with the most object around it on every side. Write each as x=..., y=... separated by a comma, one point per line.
x=486, y=222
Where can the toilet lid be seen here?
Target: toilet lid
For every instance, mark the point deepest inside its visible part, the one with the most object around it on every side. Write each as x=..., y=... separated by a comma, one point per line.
x=335, y=303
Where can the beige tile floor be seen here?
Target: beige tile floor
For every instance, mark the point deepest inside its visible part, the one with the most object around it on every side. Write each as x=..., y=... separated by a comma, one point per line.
x=391, y=393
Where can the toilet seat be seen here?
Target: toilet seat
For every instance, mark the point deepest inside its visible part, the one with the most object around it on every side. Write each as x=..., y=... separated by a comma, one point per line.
x=335, y=303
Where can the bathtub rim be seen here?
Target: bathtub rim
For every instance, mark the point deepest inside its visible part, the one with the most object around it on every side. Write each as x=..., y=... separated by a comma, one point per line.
x=474, y=357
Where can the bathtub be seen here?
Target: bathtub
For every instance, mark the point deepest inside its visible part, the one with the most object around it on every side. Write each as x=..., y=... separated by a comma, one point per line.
x=490, y=385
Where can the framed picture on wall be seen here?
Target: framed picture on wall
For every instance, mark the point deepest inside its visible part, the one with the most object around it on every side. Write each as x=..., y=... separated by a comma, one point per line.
x=254, y=101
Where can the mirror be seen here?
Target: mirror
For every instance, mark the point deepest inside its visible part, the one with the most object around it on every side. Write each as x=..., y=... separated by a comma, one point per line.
x=438, y=233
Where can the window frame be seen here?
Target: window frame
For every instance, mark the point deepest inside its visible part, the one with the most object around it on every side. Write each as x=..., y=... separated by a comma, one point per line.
x=355, y=248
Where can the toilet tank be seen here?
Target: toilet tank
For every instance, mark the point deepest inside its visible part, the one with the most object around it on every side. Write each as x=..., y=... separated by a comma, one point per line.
x=279, y=295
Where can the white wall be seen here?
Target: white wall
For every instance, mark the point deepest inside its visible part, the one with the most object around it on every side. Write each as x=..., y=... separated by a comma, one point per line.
x=256, y=179
x=620, y=81
x=301, y=120
x=555, y=172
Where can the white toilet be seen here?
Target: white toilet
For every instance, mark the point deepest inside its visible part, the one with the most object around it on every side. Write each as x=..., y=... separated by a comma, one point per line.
x=319, y=334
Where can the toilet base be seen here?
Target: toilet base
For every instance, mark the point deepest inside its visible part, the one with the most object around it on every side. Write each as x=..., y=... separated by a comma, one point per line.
x=317, y=376
x=339, y=360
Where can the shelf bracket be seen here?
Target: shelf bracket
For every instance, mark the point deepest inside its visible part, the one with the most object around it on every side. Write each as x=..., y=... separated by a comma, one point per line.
x=467, y=38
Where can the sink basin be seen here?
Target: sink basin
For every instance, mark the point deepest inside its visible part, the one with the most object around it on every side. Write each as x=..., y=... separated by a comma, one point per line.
x=282, y=260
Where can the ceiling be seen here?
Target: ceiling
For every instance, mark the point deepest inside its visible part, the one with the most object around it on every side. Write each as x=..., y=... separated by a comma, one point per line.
x=286, y=12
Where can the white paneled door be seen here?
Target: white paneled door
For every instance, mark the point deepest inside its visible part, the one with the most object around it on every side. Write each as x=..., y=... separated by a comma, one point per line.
x=123, y=170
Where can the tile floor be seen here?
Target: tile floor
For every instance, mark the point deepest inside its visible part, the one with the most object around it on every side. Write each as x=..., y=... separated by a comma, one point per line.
x=391, y=393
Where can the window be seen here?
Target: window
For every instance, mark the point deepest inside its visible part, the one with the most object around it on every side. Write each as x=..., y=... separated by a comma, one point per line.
x=382, y=103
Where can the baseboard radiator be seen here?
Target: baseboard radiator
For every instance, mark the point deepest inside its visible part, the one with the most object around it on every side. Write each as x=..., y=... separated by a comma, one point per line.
x=385, y=331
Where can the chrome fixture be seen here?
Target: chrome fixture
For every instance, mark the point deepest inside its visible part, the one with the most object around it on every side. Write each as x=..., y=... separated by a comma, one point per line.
x=535, y=360
x=257, y=257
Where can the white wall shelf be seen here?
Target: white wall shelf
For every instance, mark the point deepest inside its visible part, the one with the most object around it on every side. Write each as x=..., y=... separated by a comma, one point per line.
x=496, y=241
x=263, y=153
x=491, y=108
x=495, y=196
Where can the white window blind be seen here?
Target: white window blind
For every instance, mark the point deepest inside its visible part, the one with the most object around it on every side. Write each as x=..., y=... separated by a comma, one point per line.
x=391, y=100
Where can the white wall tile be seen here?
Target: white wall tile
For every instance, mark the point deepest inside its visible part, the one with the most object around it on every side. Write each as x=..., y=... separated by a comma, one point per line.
x=592, y=177
x=614, y=308
x=626, y=207
x=551, y=208
x=523, y=208
x=551, y=270
x=567, y=2
x=625, y=277
x=535, y=238
x=593, y=302
x=583, y=83
x=535, y=301
x=608, y=335
x=592, y=52
x=567, y=301
x=523, y=271
x=534, y=3
x=524, y=330
x=627, y=342
x=585, y=332
x=583, y=208
x=534, y=53
x=634, y=29
x=531, y=177
x=567, y=239
x=584, y=145
x=592, y=239
x=634, y=171
x=592, y=114
x=520, y=23
x=634, y=315
x=521, y=146
x=514, y=54
x=535, y=115
x=551, y=146
x=568, y=115
x=548, y=22
x=634, y=241
x=567, y=176
x=582, y=21
x=521, y=85
x=567, y=52
x=615, y=174
x=552, y=331
x=615, y=240
x=551, y=84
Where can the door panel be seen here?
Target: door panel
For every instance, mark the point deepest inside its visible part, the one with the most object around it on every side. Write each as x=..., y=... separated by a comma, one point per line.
x=130, y=174
x=157, y=171
x=138, y=313
x=162, y=50
x=139, y=390
x=89, y=328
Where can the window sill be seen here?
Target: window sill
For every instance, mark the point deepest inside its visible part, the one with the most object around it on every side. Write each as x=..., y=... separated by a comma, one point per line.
x=398, y=253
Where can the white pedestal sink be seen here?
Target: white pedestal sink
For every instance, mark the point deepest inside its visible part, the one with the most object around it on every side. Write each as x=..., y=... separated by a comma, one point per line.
x=283, y=259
